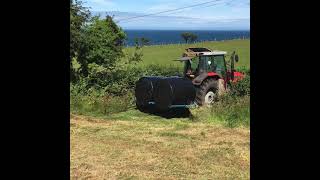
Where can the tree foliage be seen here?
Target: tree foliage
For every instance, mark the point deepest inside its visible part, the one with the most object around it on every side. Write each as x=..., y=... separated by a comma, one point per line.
x=189, y=37
x=145, y=41
x=79, y=15
x=103, y=44
x=96, y=44
x=193, y=37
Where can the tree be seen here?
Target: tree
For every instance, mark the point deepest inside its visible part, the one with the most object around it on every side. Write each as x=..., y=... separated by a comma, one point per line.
x=141, y=41
x=93, y=41
x=145, y=41
x=187, y=36
x=79, y=15
x=193, y=37
x=102, y=46
x=137, y=54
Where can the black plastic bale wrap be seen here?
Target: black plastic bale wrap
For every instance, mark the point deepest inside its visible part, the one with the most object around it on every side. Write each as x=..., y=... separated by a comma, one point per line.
x=144, y=90
x=174, y=91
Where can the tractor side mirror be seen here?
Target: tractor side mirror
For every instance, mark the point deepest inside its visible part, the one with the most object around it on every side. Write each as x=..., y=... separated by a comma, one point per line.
x=236, y=58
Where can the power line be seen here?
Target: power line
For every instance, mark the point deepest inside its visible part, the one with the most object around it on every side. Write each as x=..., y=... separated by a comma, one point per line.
x=198, y=7
x=225, y=3
x=120, y=20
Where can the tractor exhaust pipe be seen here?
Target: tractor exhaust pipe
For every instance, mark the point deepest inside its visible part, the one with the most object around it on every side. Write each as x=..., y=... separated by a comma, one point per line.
x=234, y=58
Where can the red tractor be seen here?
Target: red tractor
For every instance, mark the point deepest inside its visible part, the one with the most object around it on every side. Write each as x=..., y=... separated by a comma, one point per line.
x=206, y=76
x=209, y=72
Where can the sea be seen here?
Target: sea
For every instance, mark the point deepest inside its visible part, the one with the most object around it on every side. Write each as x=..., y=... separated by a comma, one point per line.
x=158, y=37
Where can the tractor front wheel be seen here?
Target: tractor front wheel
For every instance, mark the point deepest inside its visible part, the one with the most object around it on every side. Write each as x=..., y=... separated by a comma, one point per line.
x=207, y=92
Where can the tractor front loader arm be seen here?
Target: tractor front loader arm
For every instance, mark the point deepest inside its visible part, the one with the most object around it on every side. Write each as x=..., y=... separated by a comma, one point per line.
x=203, y=76
x=198, y=80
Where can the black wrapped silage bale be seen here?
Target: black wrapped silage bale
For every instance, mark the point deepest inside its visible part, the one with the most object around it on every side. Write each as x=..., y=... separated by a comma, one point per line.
x=144, y=91
x=173, y=91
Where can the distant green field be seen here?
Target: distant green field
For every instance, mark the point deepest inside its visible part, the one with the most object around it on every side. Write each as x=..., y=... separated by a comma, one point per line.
x=165, y=54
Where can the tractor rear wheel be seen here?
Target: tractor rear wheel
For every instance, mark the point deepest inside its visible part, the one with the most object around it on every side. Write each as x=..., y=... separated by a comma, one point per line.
x=207, y=92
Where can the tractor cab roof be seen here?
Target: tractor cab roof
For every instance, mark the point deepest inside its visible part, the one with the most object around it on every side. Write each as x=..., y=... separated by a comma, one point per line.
x=194, y=52
x=213, y=53
x=198, y=50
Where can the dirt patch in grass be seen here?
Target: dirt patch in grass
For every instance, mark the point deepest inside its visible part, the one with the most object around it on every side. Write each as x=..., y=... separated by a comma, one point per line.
x=108, y=149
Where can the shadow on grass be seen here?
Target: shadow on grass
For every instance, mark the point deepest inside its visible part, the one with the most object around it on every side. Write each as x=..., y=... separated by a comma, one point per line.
x=169, y=114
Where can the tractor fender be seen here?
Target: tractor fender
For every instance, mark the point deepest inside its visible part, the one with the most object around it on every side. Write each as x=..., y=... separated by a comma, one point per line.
x=211, y=74
x=203, y=76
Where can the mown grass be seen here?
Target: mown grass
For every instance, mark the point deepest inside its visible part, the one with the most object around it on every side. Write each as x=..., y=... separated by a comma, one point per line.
x=165, y=54
x=117, y=149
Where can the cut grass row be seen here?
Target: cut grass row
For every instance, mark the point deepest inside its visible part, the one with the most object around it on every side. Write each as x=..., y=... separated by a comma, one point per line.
x=116, y=149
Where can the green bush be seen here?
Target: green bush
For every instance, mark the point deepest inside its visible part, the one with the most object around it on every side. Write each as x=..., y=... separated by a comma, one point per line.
x=121, y=81
x=234, y=107
x=241, y=88
x=233, y=111
x=244, y=70
x=97, y=102
x=157, y=70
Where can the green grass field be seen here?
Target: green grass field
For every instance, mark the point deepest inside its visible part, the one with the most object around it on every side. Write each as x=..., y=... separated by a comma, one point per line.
x=165, y=54
x=136, y=145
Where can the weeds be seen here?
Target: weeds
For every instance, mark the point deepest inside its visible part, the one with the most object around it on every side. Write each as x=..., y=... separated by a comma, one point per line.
x=95, y=102
x=233, y=111
x=234, y=108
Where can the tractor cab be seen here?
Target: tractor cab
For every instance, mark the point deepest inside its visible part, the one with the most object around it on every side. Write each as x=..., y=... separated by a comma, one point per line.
x=199, y=63
x=205, y=63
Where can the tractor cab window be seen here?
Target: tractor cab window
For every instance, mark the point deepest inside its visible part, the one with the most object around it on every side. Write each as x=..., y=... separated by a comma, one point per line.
x=203, y=64
x=211, y=64
x=220, y=65
x=194, y=64
x=187, y=67
x=191, y=66
x=208, y=63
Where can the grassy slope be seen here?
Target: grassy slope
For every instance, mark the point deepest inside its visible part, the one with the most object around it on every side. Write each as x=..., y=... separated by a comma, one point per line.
x=166, y=149
x=165, y=54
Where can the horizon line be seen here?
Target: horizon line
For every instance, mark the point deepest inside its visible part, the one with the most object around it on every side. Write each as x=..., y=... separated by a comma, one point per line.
x=187, y=29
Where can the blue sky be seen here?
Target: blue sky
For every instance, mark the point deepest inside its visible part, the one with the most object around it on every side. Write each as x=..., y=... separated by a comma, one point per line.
x=218, y=15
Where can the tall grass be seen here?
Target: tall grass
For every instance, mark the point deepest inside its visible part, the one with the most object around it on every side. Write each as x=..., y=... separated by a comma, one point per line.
x=98, y=104
x=234, y=107
x=232, y=111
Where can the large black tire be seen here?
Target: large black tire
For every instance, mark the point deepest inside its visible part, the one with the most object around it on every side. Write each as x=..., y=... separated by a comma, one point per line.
x=206, y=86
